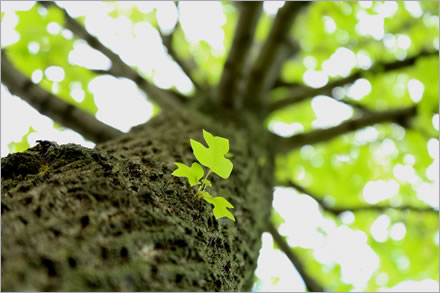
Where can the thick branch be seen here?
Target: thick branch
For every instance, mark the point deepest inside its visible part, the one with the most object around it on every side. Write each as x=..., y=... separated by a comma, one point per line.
x=400, y=116
x=165, y=99
x=240, y=52
x=53, y=107
x=311, y=284
x=263, y=72
x=187, y=66
x=375, y=208
x=301, y=93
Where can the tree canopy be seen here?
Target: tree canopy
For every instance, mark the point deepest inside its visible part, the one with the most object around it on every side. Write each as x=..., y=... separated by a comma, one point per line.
x=356, y=197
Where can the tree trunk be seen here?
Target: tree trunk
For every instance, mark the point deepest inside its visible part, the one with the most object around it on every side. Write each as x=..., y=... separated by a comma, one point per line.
x=115, y=219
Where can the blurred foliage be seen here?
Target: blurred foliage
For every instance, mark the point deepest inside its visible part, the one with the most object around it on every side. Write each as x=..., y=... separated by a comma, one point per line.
x=349, y=159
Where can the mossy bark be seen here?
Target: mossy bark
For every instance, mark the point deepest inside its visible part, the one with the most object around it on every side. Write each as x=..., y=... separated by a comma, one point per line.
x=115, y=219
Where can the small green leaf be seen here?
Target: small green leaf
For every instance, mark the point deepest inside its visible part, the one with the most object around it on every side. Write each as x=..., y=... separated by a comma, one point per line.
x=207, y=182
x=214, y=156
x=204, y=195
x=193, y=173
x=220, y=206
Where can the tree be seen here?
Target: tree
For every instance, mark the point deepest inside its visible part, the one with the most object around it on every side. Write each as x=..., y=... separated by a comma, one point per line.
x=114, y=218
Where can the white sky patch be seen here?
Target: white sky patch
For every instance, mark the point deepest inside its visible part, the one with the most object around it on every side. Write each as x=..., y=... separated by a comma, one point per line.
x=347, y=217
x=15, y=126
x=37, y=76
x=76, y=91
x=306, y=227
x=359, y=89
x=377, y=191
x=340, y=63
x=85, y=56
x=9, y=21
x=285, y=129
x=435, y=121
x=379, y=228
x=389, y=41
x=357, y=260
x=212, y=18
x=120, y=103
x=76, y=9
x=53, y=28
x=435, y=43
x=329, y=24
x=67, y=34
x=329, y=112
x=405, y=173
x=386, y=9
x=271, y=7
x=414, y=8
x=363, y=60
x=63, y=136
x=403, y=42
x=386, y=148
x=428, y=192
x=415, y=89
x=274, y=264
x=433, y=148
x=33, y=47
x=366, y=135
x=365, y=4
x=370, y=25
x=409, y=159
x=54, y=73
x=403, y=263
x=293, y=206
x=432, y=171
x=398, y=231
x=426, y=285
x=309, y=61
x=339, y=92
x=55, y=88
x=315, y=78
x=166, y=16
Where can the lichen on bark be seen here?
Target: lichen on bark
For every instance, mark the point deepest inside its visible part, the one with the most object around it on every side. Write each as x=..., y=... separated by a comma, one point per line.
x=114, y=218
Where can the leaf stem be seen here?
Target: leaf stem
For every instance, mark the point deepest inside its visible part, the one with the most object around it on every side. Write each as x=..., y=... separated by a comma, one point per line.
x=204, y=180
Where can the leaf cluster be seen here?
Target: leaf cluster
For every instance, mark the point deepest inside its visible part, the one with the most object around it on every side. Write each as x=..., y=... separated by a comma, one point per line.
x=212, y=157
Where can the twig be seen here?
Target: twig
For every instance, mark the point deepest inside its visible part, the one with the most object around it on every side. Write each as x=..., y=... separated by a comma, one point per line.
x=311, y=284
x=400, y=116
x=299, y=94
x=187, y=66
x=239, y=53
x=165, y=99
x=263, y=72
x=53, y=107
x=376, y=208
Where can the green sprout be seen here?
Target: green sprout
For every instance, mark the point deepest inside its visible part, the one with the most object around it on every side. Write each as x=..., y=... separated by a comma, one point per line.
x=212, y=157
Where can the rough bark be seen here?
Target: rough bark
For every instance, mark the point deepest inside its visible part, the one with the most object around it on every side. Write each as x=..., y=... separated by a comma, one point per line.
x=115, y=219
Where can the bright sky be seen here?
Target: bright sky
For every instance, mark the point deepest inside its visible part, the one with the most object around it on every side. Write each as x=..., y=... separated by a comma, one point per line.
x=305, y=225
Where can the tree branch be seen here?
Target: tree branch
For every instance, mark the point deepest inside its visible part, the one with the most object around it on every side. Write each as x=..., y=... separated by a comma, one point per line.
x=53, y=107
x=400, y=116
x=375, y=208
x=299, y=94
x=239, y=53
x=165, y=99
x=311, y=284
x=263, y=72
x=187, y=66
